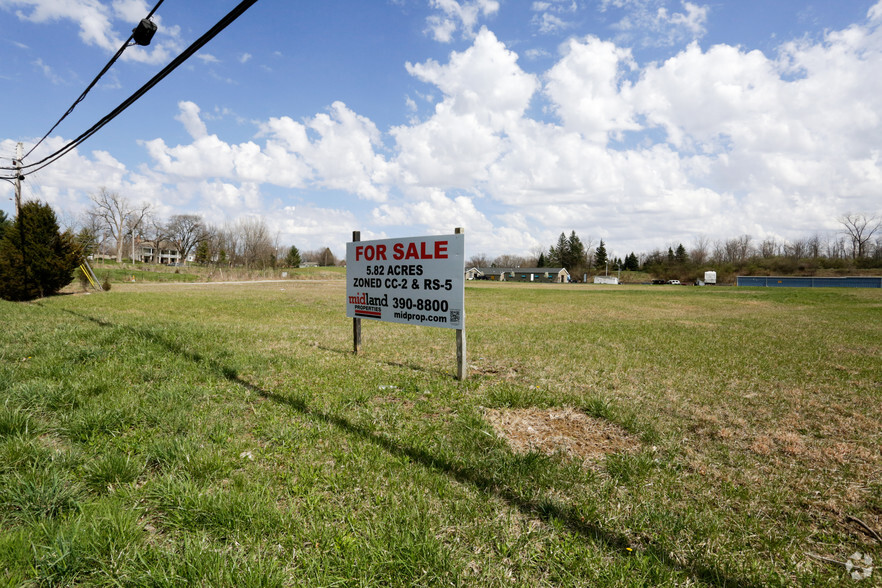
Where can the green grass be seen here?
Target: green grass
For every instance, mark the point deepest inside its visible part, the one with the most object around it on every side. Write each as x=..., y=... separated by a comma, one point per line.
x=225, y=435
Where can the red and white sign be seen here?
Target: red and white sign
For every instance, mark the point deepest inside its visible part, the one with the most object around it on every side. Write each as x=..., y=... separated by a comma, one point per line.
x=415, y=280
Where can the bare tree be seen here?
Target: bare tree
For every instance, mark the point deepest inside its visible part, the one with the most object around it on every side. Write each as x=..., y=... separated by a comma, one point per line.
x=700, y=250
x=507, y=260
x=859, y=228
x=256, y=245
x=478, y=260
x=154, y=233
x=95, y=226
x=223, y=244
x=814, y=246
x=135, y=226
x=769, y=248
x=735, y=250
x=185, y=231
x=116, y=213
x=797, y=249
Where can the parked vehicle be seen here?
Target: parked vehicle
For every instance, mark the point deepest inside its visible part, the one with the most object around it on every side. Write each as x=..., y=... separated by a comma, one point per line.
x=674, y=282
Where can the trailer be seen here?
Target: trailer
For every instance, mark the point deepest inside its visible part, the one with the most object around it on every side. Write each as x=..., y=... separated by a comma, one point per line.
x=710, y=278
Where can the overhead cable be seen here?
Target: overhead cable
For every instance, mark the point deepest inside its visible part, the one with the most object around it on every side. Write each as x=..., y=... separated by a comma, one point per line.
x=186, y=54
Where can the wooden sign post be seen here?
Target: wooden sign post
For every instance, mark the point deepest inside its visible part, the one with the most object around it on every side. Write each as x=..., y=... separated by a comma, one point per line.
x=356, y=322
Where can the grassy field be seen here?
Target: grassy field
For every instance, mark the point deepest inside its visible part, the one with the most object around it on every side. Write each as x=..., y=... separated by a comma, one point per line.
x=225, y=435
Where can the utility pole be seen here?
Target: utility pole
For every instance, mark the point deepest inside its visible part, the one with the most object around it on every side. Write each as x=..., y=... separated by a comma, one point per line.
x=19, y=148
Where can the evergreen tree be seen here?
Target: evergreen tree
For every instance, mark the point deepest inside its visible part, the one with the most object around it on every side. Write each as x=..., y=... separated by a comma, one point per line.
x=5, y=223
x=203, y=252
x=557, y=254
x=293, y=257
x=631, y=262
x=600, y=257
x=680, y=255
x=575, y=254
x=541, y=260
x=35, y=259
x=569, y=253
x=670, y=255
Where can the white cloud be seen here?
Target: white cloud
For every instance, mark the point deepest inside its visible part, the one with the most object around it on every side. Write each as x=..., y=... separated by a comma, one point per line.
x=97, y=23
x=453, y=16
x=654, y=23
x=343, y=155
x=484, y=81
x=587, y=90
x=189, y=117
x=875, y=12
x=48, y=72
x=130, y=10
x=550, y=15
x=693, y=20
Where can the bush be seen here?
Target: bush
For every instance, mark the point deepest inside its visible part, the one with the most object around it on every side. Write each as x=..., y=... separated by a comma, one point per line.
x=35, y=259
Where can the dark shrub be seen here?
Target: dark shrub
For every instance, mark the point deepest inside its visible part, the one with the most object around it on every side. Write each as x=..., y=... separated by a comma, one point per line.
x=35, y=259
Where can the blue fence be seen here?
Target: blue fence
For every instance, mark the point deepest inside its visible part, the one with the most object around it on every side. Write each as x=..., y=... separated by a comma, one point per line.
x=808, y=282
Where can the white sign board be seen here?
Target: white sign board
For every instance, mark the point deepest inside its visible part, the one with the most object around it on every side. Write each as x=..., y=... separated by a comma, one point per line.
x=415, y=280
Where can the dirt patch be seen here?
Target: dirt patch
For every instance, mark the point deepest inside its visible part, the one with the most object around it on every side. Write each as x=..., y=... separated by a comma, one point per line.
x=560, y=430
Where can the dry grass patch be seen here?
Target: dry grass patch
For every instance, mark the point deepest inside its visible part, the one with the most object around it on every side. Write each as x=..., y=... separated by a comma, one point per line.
x=560, y=430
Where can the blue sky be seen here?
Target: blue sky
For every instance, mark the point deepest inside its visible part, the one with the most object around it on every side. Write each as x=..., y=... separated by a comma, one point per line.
x=645, y=123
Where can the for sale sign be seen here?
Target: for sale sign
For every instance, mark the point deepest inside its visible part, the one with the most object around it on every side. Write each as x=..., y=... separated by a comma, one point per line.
x=416, y=280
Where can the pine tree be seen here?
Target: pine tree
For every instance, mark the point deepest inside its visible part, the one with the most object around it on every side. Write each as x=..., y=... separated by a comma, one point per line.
x=557, y=255
x=600, y=257
x=5, y=223
x=541, y=261
x=680, y=255
x=203, y=252
x=293, y=257
x=35, y=259
x=575, y=254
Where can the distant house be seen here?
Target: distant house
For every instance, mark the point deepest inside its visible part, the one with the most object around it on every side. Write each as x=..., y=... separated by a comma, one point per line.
x=166, y=254
x=550, y=275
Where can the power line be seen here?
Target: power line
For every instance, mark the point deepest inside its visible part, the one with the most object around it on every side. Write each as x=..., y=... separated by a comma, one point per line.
x=126, y=43
x=186, y=54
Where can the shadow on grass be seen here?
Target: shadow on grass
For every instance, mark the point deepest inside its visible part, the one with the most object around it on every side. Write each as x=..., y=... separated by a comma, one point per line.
x=397, y=364
x=545, y=509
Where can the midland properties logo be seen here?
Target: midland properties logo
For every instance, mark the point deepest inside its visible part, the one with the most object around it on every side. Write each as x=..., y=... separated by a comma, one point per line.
x=369, y=306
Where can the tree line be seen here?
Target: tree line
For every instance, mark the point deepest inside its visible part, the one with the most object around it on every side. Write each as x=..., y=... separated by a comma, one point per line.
x=114, y=225
x=857, y=245
x=38, y=259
